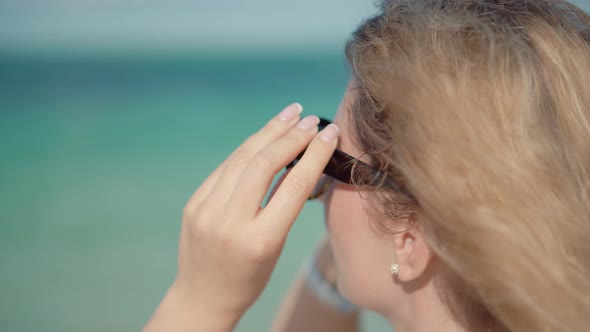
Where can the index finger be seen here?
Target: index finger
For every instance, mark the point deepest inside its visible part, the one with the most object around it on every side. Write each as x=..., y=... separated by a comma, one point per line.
x=287, y=202
x=256, y=142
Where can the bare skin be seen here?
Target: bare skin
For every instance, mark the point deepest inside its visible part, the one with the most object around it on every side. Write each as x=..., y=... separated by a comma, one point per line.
x=229, y=245
x=356, y=259
x=302, y=311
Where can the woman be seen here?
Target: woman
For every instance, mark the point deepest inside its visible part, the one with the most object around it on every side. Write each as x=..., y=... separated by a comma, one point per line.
x=474, y=117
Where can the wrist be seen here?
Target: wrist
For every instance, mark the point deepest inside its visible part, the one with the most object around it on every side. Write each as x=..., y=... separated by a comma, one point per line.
x=324, y=262
x=325, y=290
x=197, y=313
x=326, y=270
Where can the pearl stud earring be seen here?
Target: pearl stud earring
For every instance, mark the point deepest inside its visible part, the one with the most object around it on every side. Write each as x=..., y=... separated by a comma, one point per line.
x=394, y=269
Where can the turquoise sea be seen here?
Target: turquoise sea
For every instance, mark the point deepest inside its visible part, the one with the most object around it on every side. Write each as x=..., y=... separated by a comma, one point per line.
x=99, y=155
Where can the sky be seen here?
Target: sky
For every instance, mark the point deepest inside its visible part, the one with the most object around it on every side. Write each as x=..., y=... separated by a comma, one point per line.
x=33, y=26
x=177, y=25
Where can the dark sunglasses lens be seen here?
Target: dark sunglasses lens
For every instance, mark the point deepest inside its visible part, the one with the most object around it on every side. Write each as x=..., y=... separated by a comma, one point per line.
x=321, y=187
x=323, y=124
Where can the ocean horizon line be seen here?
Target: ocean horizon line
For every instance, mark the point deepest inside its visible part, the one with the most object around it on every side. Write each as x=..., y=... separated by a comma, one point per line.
x=174, y=54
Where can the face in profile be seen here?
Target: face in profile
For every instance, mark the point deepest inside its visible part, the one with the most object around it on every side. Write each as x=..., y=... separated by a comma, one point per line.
x=361, y=255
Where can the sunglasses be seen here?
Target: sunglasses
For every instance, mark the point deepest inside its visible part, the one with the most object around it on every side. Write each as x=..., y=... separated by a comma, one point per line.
x=341, y=167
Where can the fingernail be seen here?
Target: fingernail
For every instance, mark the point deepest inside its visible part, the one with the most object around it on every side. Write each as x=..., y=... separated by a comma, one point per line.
x=329, y=133
x=290, y=112
x=308, y=122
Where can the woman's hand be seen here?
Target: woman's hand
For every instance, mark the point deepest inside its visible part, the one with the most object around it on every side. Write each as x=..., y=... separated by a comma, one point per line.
x=229, y=245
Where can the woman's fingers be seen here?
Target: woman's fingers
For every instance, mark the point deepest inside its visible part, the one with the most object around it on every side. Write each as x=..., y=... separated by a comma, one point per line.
x=276, y=186
x=200, y=194
x=287, y=202
x=236, y=163
x=257, y=177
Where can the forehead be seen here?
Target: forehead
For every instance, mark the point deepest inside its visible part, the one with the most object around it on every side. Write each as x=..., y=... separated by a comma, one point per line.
x=342, y=120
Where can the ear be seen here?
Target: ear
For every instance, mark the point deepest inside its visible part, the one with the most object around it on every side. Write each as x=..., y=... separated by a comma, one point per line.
x=413, y=253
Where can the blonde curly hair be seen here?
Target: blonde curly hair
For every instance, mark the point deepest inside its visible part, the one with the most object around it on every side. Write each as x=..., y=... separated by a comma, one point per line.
x=481, y=110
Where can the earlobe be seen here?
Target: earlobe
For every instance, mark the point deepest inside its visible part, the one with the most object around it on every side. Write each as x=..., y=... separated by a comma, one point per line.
x=413, y=255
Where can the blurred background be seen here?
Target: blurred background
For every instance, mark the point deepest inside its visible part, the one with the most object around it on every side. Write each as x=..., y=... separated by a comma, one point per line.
x=113, y=112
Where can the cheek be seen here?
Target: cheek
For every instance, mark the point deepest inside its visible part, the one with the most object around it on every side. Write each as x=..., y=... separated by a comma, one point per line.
x=345, y=217
x=359, y=254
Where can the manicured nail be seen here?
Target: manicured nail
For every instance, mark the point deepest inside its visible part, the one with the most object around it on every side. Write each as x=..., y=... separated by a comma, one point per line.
x=329, y=133
x=290, y=112
x=308, y=122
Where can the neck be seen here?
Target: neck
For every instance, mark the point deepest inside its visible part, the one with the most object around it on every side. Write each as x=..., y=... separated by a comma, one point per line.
x=422, y=310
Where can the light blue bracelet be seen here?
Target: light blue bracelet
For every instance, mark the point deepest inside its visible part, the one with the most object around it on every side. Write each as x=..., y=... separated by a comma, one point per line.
x=325, y=291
